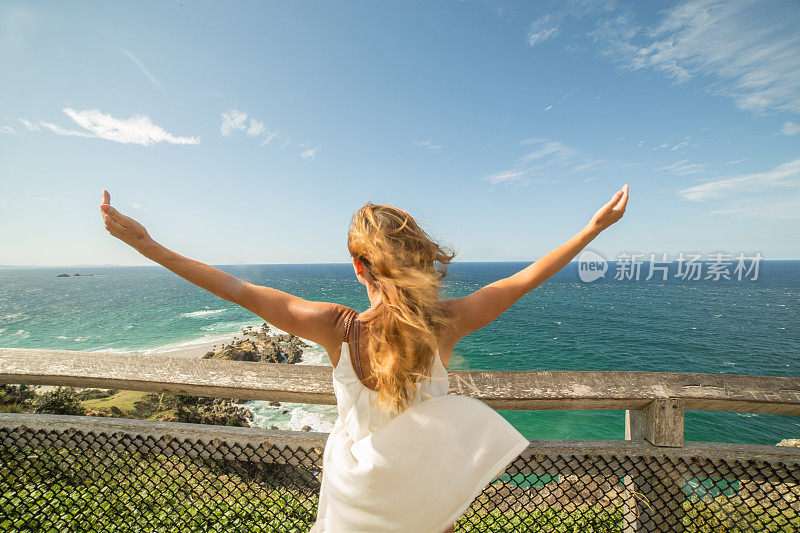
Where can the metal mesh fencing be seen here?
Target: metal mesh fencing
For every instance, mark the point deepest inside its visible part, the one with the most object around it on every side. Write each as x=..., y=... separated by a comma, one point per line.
x=68, y=479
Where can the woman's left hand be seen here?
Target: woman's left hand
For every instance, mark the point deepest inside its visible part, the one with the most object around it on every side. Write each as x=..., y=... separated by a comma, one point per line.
x=122, y=227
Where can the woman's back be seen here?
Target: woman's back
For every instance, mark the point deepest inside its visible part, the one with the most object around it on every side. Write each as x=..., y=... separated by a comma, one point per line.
x=350, y=379
x=414, y=471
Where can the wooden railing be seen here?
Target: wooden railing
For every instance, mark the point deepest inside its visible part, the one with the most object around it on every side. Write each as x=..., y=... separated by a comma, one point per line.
x=655, y=402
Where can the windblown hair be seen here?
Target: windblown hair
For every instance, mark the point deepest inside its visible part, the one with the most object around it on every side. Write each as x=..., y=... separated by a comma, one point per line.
x=407, y=267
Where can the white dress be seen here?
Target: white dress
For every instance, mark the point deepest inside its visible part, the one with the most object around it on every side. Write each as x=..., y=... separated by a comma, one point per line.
x=413, y=472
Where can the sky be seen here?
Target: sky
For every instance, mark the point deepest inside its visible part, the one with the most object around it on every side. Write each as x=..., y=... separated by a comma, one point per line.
x=250, y=132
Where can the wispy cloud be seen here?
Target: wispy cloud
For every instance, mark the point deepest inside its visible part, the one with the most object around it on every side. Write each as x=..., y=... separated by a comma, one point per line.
x=547, y=161
x=738, y=49
x=237, y=121
x=735, y=161
x=685, y=168
x=58, y=130
x=138, y=129
x=308, y=154
x=541, y=30
x=144, y=70
x=673, y=146
x=562, y=99
x=7, y=129
x=780, y=177
x=780, y=208
x=430, y=145
x=256, y=128
x=29, y=125
x=790, y=128
x=233, y=120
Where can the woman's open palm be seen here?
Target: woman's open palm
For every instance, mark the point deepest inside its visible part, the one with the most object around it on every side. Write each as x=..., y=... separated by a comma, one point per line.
x=120, y=226
x=612, y=211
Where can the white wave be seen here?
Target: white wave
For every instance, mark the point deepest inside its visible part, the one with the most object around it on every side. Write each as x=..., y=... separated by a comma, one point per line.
x=209, y=340
x=292, y=416
x=202, y=313
x=76, y=339
x=231, y=327
x=14, y=316
x=314, y=417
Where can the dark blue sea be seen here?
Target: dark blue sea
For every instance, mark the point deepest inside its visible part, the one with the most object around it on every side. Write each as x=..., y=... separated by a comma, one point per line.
x=730, y=326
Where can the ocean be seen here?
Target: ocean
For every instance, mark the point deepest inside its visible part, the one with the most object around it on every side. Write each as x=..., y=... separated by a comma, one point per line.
x=728, y=326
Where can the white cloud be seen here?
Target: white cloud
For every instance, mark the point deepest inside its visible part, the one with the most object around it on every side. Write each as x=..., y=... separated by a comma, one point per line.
x=7, y=129
x=541, y=30
x=28, y=125
x=63, y=131
x=564, y=98
x=144, y=70
x=430, y=145
x=256, y=127
x=138, y=129
x=309, y=154
x=231, y=121
x=507, y=176
x=235, y=120
x=547, y=162
x=735, y=161
x=685, y=168
x=268, y=138
x=780, y=177
x=741, y=50
x=782, y=208
x=790, y=128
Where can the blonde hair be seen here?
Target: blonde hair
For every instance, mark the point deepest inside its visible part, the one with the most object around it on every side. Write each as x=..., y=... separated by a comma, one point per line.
x=407, y=267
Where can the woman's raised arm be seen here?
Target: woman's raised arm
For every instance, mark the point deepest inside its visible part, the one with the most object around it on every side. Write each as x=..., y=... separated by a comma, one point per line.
x=475, y=310
x=320, y=322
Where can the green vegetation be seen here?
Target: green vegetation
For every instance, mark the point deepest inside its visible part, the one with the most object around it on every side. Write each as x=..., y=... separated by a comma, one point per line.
x=126, y=404
x=55, y=488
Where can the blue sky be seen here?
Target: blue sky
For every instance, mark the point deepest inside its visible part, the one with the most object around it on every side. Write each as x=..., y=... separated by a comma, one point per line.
x=249, y=132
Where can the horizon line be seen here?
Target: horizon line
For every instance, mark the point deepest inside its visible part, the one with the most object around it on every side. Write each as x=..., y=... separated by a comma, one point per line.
x=108, y=265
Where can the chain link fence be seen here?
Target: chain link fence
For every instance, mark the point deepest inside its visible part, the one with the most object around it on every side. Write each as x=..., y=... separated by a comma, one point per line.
x=60, y=476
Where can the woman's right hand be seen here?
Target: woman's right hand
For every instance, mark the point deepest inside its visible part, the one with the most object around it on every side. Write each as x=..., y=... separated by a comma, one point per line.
x=611, y=212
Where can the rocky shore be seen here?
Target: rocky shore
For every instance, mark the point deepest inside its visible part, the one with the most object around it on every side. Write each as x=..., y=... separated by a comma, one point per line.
x=261, y=345
x=256, y=344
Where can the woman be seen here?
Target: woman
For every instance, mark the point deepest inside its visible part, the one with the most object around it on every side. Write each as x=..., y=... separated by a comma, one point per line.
x=403, y=455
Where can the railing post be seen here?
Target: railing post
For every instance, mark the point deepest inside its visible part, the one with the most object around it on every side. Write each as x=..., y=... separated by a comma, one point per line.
x=654, y=497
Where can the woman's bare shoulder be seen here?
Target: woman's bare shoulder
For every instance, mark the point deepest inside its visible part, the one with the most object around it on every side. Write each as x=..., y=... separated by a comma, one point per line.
x=338, y=317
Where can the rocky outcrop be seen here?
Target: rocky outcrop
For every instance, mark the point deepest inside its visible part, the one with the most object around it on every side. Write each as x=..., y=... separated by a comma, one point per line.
x=259, y=345
x=204, y=410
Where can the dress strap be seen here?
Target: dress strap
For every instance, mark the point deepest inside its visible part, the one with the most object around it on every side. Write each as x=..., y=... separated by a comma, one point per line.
x=348, y=323
x=356, y=359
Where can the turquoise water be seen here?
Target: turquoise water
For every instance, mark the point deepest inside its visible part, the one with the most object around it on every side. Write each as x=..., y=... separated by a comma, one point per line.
x=734, y=327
